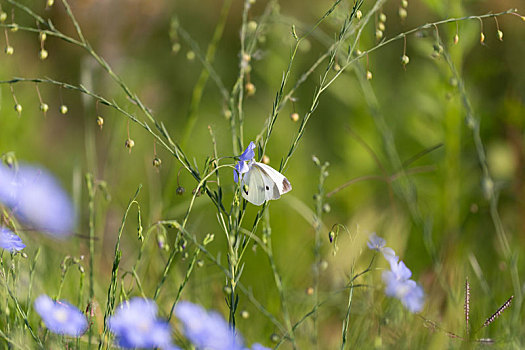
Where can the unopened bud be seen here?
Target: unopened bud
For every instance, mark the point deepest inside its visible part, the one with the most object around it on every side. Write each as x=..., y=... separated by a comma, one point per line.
x=200, y=263
x=382, y=17
x=368, y=75
x=252, y=26
x=250, y=89
x=3, y=16
x=379, y=34
x=402, y=13
x=309, y=291
x=294, y=116
x=266, y=159
x=358, y=14
x=43, y=54
x=129, y=144
x=14, y=27
x=331, y=236
x=180, y=191
x=42, y=36
x=326, y=208
x=175, y=47
x=157, y=162
x=456, y=39
x=482, y=38
x=100, y=121
x=44, y=107
x=245, y=314
x=190, y=55
x=405, y=60
x=404, y=3
x=500, y=35
x=63, y=109
x=9, y=50
x=50, y=3
x=381, y=26
x=18, y=108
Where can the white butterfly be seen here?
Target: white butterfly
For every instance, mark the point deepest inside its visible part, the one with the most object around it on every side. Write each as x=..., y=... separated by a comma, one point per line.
x=263, y=183
x=259, y=182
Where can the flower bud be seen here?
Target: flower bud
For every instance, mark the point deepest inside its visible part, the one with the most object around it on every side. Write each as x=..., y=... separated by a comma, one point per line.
x=368, y=75
x=405, y=60
x=404, y=3
x=200, y=263
x=358, y=52
x=180, y=191
x=100, y=121
x=500, y=35
x=50, y=3
x=129, y=144
x=331, y=236
x=482, y=37
x=326, y=208
x=190, y=55
x=379, y=34
x=274, y=338
x=18, y=108
x=44, y=107
x=175, y=47
x=252, y=26
x=245, y=314
x=266, y=159
x=250, y=89
x=456, y=39
x=381, y=26
x=358, y=14
x=14, y=27
x=294, y=116
x=43, y=54
x=157, y=162
x=63, y=109
x=9, y=50
x=309, y=291
x=3, y=16
x=42, y=36
x=402, y=13
x=382, y=17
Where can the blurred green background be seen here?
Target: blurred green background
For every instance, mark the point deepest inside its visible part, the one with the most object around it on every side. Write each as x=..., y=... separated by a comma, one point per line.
x=420, y=105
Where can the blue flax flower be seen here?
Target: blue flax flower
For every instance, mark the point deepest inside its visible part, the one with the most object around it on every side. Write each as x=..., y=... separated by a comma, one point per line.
x=241, y=167
x=37, y=199
x=136, y=325
x=60, y=317
x=206, y=330
x=9, y=241
x=379, y=244
x=400, y=286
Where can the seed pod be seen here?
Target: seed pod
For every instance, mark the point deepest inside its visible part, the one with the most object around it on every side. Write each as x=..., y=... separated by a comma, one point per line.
x=129, y=144
x=358, y=14
x=500, y=35
x=402, y=13
x=100, y=121
x=43, y=54
x=456, y=39
x=42, y=36
x=381, y=26
x=482, y=37
x=266, y=159
x=3, y=16
x=9, y=50
x=18, y=108
x=157, y=162
x=294, y=116
x=405, y=60
x=63, y=109
x=379, y=34
x=382, y=17
x=180, y=190
x=368, y=75
x=44, y=107
x=250, y=89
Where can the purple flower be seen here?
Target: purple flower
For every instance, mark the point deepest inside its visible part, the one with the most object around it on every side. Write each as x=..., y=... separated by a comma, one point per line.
x=60, y=317
x=400, y=286
x=241, y=167
x=206, y=330
x=257, y=346
x=378, y=244
x=9, y=241
x=136, y=325
x=248, y=153
x=37, y=199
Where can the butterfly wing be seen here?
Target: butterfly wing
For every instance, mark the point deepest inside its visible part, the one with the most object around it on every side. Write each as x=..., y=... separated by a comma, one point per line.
x=276, y=178
x=253, y=186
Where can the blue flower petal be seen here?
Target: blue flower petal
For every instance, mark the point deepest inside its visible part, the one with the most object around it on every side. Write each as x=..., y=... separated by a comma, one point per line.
x=37, y=199
x=9, y=241
x=248, y=153
x=61, y=317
